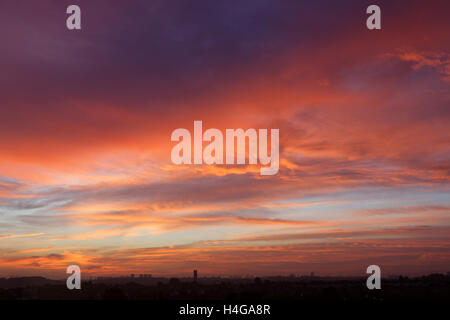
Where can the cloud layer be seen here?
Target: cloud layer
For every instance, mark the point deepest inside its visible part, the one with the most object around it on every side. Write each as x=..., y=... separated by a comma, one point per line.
x=86, y=118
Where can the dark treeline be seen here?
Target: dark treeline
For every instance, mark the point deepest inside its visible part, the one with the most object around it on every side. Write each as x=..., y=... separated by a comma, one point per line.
x=435, y=286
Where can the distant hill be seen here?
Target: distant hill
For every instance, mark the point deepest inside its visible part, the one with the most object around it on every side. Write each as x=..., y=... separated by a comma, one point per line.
x=21, y=282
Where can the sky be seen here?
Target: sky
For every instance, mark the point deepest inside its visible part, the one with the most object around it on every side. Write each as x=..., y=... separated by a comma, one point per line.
x=86, y=118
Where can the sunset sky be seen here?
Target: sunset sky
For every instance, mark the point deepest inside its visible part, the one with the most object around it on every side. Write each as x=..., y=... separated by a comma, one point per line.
x=86, y=118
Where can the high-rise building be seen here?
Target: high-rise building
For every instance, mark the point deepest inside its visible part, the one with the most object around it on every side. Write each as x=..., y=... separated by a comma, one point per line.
x=195, y=275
